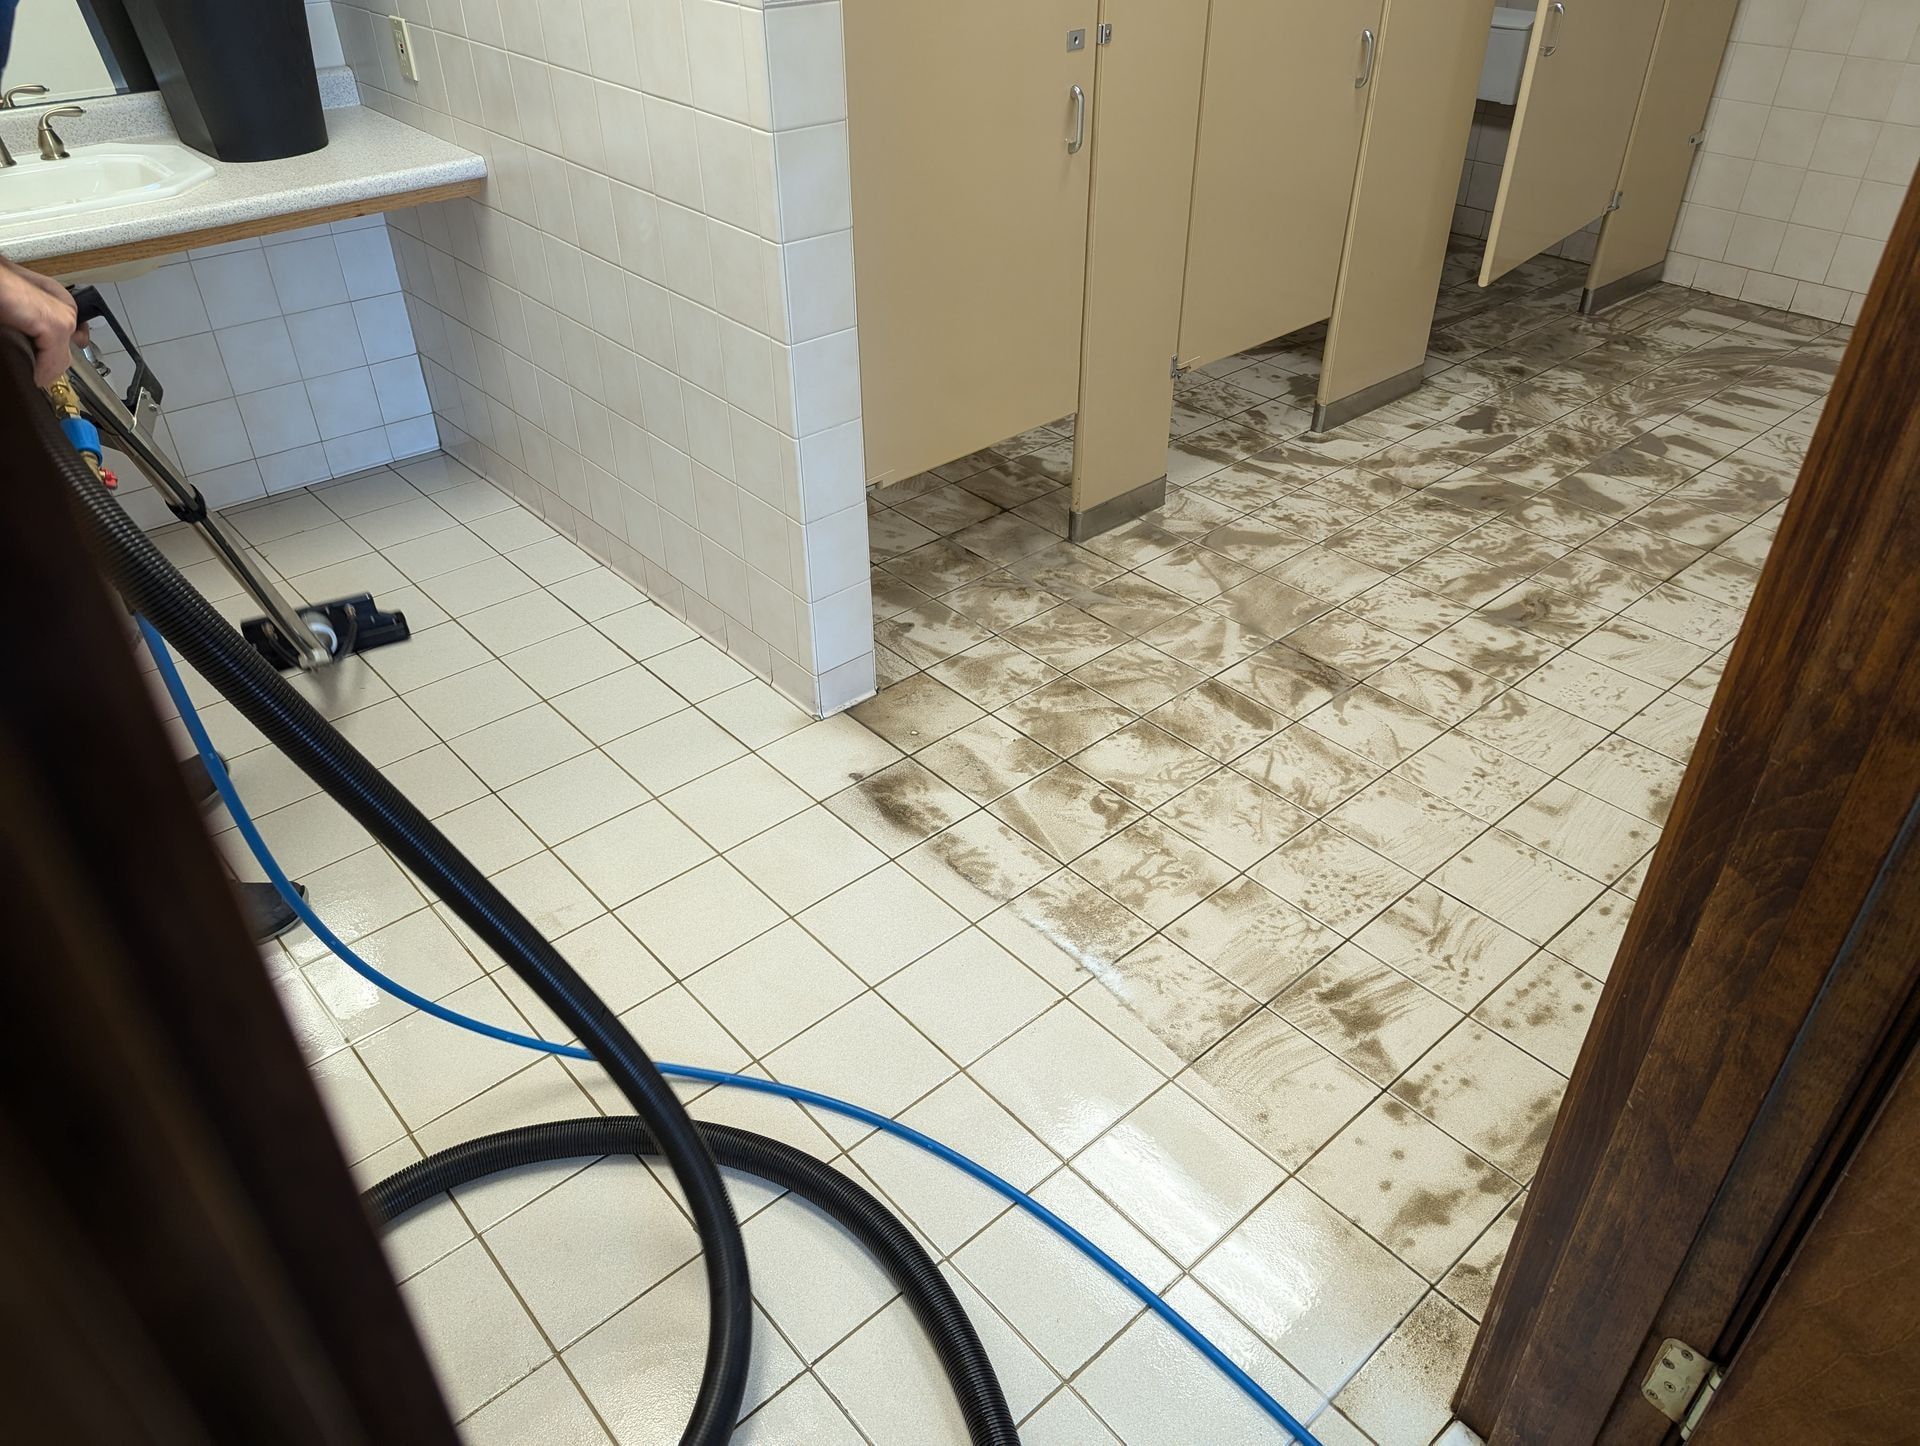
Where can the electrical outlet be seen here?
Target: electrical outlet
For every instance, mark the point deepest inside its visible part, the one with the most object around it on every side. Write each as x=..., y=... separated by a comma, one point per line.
x=403, y=46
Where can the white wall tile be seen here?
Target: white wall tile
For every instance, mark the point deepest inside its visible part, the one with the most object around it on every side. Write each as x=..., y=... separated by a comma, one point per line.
x=716, y=57
x=826, y=382
x=1812, y=137
x=385, y=332
x=820, y=284
x=279, y=419
x=297, y=468
x=401, y=389
x=208, y=436
x=163, y=304
x=237, y=288
x=814, y=181
x=344, y=402
x=617, y=332
x=806, y=65
x=190, y=369
x=326, y=340
x=357, y=451
x=258, y=354
x=366, y=262
x=306, y=274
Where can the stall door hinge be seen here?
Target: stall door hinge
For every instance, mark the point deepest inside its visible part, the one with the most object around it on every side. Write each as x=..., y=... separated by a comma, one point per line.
x=1104, y=35
x=1681, y=1384
x=1173, y=366
x=1614, y=204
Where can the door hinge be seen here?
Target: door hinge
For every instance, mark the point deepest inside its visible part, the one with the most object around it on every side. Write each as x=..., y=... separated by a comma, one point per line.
x=1614, y=204
x=1173, y=366
x=1681, y=1384
x=1104, y=35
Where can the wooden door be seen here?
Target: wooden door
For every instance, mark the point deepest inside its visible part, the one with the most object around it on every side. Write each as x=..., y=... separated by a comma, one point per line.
x=1281, y=117
x=1836, y=1356
x=970, y=219
x=1577, y=101
x=1766, y=994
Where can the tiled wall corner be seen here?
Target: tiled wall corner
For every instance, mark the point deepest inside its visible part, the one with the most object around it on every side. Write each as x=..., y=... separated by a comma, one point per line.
x=644, y=327
x=286, y=359
x=1811, y=139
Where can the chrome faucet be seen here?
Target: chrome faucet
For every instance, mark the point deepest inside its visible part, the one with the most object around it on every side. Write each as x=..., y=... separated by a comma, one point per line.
x=7, y=102
x=52, y=148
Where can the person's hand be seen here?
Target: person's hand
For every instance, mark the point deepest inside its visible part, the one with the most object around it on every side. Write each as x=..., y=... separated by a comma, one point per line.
x=39, y=307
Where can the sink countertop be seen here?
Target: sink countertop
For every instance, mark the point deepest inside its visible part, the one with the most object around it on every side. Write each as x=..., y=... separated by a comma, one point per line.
x=368, y=156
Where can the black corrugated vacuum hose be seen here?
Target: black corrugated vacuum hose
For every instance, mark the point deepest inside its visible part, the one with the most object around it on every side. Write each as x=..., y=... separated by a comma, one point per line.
x=989, y=1422
x=152, y=587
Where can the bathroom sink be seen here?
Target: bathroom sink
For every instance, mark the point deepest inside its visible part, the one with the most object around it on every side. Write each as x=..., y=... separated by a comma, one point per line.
x=98, y=178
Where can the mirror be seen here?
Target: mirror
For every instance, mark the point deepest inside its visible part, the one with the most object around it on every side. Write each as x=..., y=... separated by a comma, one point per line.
x=77, y=49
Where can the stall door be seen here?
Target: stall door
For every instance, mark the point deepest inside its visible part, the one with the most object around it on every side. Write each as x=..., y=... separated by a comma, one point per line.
x=1282, y=107
x=970, y=219
x=1570, y=128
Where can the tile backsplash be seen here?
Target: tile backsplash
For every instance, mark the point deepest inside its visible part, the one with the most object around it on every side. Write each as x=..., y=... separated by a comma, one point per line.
x=286, y=359
x=644, y=328
x=1811, y=141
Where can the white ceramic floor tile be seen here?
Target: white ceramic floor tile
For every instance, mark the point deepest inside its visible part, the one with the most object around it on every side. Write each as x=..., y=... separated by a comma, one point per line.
x=1024, y=1074
x=809, y=856
x=546, y=1407
x=866, y=1053
x=615, y=704
x=736, y=801
x=572, y=797
x=625, y=856
x=950, y=1210
x=969, y=994
x=802, y=1412
x=1150, y=1385
x=594, y=1242
x=825, y=757
x=519, y=745
x=674, y=750
x=881, y=922
x=426, y=1069
x=690, y=921
x=824, y=1285
x=767, y=991
x=1178, y=1173
x=667, y=1330
x=1064, y=1305
x=477, y=1335
x=1315, y=1286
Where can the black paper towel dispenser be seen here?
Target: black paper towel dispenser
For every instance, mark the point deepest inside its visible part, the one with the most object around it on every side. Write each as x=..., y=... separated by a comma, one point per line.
x=237, y=75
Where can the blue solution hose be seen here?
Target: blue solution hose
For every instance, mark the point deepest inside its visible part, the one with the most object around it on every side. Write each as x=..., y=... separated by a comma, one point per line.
x=257, y=845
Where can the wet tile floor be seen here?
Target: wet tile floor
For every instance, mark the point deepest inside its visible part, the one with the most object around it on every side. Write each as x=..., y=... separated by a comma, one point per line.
x=1241, y=882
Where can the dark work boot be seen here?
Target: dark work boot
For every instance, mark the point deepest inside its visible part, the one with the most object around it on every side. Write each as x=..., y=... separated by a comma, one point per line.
x=193, y=771
x=268, y=915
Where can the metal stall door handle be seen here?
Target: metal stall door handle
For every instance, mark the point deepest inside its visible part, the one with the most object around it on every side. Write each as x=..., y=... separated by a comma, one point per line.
x=1079, y=136
x=1366, y=59
x=1555, y=14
